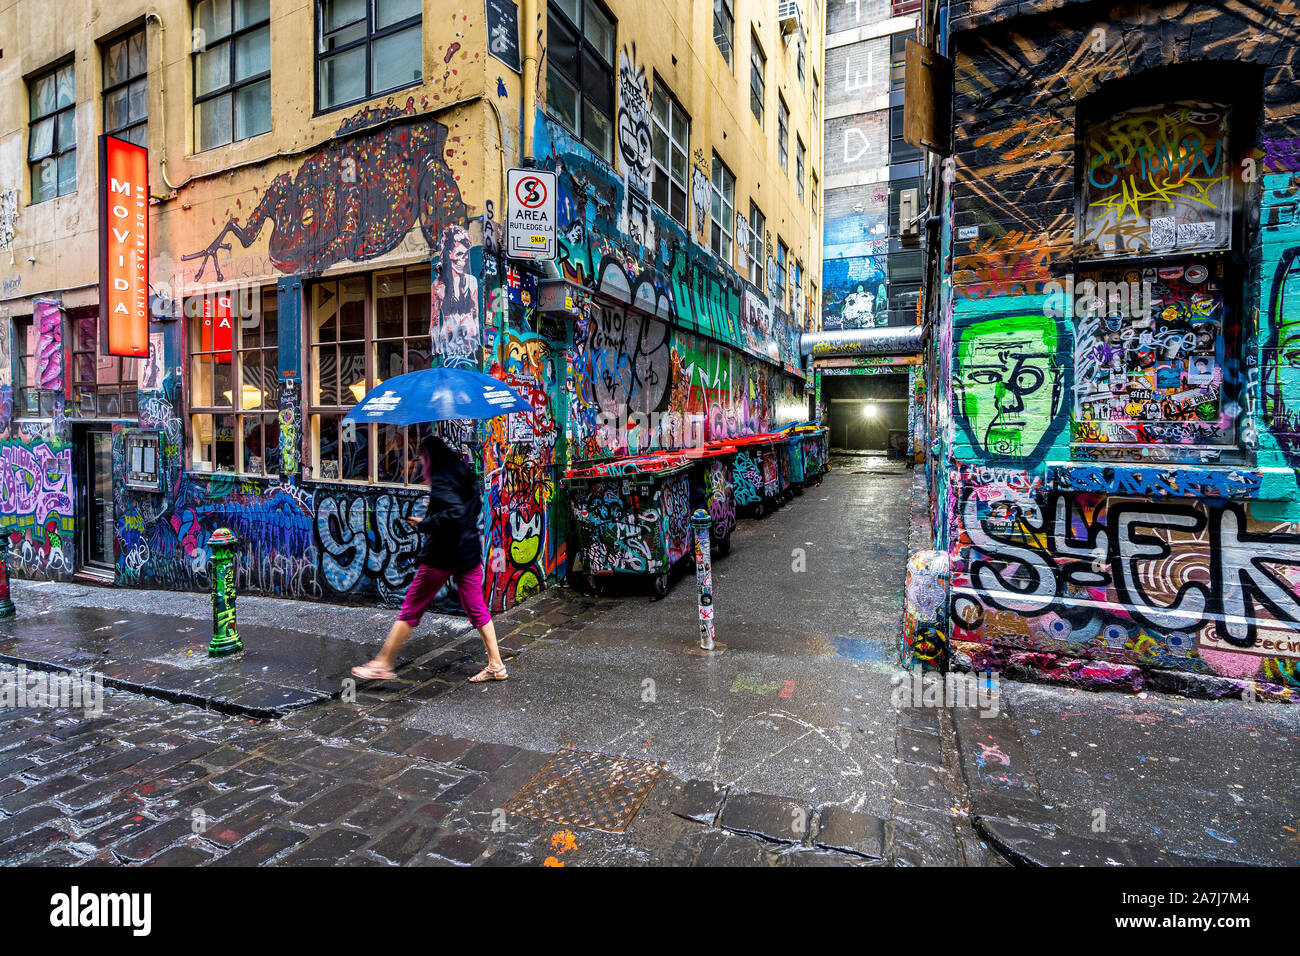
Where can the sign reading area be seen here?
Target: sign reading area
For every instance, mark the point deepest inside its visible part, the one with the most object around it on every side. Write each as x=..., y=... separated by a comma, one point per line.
x=530, y=214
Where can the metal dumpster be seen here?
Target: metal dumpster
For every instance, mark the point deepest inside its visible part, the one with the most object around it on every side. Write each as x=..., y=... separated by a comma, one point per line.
x=713, y=489
x=757, y=475
x=633, y=516
x=807, y=460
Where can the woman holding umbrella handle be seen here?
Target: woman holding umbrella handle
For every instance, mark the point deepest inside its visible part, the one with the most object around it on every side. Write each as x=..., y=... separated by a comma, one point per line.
x=450, y=549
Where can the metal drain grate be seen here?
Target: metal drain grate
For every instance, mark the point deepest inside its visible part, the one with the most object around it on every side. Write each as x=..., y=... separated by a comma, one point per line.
x=584, y=789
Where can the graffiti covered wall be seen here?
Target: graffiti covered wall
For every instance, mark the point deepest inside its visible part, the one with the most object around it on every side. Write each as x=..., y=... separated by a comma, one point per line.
x=1113, y=453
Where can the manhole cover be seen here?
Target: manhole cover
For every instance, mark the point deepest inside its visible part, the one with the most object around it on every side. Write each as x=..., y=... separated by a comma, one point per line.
x=579, y=788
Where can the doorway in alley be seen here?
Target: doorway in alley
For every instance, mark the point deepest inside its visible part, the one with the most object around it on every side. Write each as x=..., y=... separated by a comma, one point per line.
x=867, y=412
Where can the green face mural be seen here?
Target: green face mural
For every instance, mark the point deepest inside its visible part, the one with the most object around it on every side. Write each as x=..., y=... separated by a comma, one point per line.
x=1009, y=392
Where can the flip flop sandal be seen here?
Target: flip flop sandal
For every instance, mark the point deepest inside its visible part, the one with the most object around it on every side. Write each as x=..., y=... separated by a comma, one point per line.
x=372, y=672
x=489, y=673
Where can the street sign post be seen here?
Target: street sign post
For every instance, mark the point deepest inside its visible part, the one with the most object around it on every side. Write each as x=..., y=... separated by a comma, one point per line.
x=530, y=214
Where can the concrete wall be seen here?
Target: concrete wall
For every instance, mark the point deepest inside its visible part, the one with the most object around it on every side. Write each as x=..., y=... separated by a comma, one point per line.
x=1135, y=537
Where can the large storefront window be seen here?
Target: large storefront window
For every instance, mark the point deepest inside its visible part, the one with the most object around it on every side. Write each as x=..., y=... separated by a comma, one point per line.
x=1156, y=337
x=364, y=331
x=234, y=386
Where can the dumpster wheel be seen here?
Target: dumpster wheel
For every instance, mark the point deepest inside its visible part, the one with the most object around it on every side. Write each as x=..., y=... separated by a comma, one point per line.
x=659, y=585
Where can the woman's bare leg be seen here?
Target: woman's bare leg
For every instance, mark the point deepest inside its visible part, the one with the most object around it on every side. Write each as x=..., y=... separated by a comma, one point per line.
x=489, y=635
x=397, y=636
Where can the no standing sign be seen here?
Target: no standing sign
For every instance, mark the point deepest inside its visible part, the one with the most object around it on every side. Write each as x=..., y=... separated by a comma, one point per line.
x=530, y=214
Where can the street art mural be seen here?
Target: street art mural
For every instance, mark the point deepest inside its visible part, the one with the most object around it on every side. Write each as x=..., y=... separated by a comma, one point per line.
x=36, y=503
x=1114, y=447
x=354, y=199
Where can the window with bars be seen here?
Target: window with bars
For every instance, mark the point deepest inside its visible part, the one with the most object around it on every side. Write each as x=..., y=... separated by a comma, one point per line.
x=364, y=331
x=126, y=89
x=672, y=141
x=724, y=27
x=103, y=386
x=232, y=71
x=365, y=48
x=52, y=136
x=757, y=79
x=757, y=227
x=580, y=71
x=722, y=210
x=235, y=385
x=783, y=133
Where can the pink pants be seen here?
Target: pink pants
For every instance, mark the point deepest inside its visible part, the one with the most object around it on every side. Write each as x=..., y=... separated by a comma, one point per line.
x=429, y=581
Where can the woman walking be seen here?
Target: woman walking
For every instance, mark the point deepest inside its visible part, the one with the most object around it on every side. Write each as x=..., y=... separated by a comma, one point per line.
x=450, y=549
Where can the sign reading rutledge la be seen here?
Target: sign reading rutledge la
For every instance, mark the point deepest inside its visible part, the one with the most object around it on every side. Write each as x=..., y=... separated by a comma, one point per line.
x=123, y=247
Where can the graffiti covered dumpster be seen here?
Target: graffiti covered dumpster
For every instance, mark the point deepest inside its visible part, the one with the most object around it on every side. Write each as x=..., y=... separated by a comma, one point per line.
x=757, y=477
x=633, y=516
x=713, y=489
x=807, y=453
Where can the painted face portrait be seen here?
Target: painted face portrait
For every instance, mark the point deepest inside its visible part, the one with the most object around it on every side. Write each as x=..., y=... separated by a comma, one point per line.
x=1010, y=393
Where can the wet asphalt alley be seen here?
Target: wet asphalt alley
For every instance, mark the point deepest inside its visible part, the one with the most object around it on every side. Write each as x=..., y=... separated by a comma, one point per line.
x=799, y=703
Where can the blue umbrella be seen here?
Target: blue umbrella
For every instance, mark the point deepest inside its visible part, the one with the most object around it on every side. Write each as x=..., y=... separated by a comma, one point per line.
x=437, y=394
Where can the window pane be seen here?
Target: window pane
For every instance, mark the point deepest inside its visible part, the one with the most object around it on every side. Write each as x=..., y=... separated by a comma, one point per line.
x=253, y=109
x=254, y=462
x=67, y=94
x=202, y=443
x=352, y=373
x=139, y=100
x=343, y=78
x=115, y=64
x=68, y=173
x=43, y=95
x=253, y=54
x=598, y=84
x=356, y=465
x=352, y=308
x=212, y=70
x=201, y=384
x=328, y=431
x=417, y=303
x=250, y=12
x=562, y=99
x=570, y=8
x=326, y=375
x=225, y=442
x=136, y=65
x=389, y=294
x=270, y=320
x=395, y=60
x=340, y=13
x=250, y=393
x=390, y=358
x=389, y=12
x=324, y=307
x=392, y=452
x=67, y=130
x=213, y=19
x=562, y=51
x=40, y=142
x=597, y=130
x=117, y=109
x=213, y=121
x=223, y=384
x=600, y=32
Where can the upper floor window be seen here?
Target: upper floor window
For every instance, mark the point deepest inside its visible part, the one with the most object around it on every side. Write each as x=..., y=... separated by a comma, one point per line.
x=232, y=71
x=723, y=210
x=816, y=98
x=126, y=89
x=900, y=150
x=757, y=228
x=52, y=138
x=30, y=400
x=800, y=160
x=799, y=64
x=757, y=80
x=783, y=133
x=724, y=27
x=898, y=60
x=105, y=386
x=779, y=281
x=580, y=71
x=365, y=48
x=672, y=139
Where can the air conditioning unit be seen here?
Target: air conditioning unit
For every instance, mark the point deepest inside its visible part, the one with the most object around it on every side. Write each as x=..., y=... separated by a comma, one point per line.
x=789, y=17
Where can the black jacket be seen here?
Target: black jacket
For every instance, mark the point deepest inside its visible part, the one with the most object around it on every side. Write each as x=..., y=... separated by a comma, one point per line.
x=450, y=526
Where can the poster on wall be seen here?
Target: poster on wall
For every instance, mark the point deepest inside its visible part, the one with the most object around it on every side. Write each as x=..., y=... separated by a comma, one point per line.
x=124, y=247
x=503, y=32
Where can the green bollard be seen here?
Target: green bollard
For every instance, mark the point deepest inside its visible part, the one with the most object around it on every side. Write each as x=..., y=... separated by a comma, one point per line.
x=221, y=568
x=7, y=608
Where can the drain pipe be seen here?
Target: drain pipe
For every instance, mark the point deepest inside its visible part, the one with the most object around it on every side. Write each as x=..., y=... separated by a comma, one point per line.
x=162, y=104
x=531, y=69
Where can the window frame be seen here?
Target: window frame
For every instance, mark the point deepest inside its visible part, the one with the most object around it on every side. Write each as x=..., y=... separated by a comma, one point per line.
x=367, y=40
x=415, y=329
x=757, y=80
x=783, y=133
x=57, y=151
x=583, y=48
x=24, y=329
x=674, y=112
x=728, y=7
x=800, y=165
x=782, y=274
x=126, y=386
x=757, y=260
x=719, y=203
x=125, y=84
x=269, y=401
x=232, y=87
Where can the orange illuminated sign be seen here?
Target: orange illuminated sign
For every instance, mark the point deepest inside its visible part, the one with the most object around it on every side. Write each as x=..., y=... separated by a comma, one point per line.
x=124, y=246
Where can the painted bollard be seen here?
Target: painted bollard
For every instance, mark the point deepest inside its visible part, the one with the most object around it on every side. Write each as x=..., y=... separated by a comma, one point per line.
x=700, y=522
x=225, y=638
x=7, y=608
x=925, y=612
